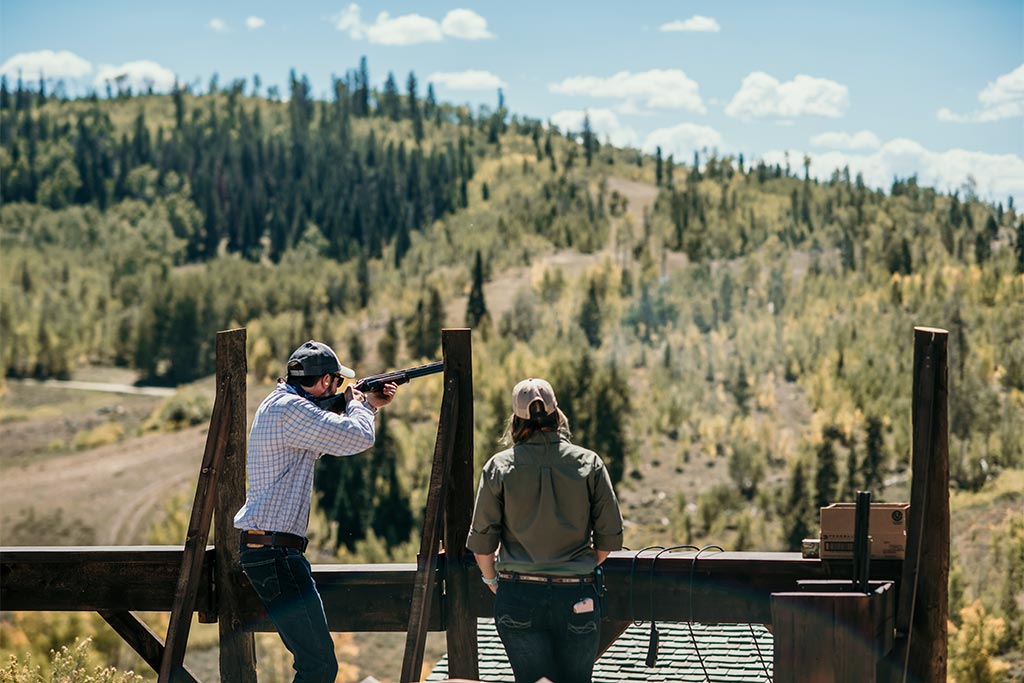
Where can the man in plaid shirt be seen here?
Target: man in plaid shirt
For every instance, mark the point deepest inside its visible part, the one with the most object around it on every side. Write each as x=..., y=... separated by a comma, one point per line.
x=289, y=433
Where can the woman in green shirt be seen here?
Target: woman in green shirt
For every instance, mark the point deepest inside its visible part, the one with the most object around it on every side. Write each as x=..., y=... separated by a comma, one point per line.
x=546, y=516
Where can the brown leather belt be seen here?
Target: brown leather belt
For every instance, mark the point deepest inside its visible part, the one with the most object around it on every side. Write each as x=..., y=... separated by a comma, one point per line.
x=546, y=578
x=278, y=539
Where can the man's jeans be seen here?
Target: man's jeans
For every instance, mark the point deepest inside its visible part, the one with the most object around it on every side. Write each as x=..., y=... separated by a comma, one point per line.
x=284, y=582
x=541, y=633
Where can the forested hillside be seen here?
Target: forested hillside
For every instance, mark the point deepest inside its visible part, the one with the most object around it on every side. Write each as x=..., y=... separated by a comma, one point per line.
x=739, y=350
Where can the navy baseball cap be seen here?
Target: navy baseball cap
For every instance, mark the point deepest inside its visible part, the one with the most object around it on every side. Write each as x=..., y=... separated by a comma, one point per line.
x=314, y=359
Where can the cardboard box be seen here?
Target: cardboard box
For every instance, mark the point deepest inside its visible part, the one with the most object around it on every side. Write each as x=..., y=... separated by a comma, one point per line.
x=887, y=530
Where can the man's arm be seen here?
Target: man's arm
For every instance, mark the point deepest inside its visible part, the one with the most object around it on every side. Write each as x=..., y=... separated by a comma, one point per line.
x=602, y=555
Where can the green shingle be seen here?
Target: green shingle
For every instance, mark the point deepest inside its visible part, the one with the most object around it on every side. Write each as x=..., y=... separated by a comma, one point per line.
x=727, y=651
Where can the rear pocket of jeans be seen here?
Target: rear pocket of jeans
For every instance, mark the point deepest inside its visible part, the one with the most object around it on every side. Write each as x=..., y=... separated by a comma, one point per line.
x=582, y=624
x=512, y=616
x=263, y=577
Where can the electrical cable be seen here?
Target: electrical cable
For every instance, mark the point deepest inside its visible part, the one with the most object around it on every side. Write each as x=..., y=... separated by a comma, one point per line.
x=689, y=623
x=632, y=582
x=655, y=637
x=767, y=676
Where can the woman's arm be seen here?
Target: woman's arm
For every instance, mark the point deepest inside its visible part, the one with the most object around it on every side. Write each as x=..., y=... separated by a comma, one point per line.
x=486, y=564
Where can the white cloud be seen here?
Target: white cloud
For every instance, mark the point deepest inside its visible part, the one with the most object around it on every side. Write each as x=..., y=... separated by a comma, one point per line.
x=681, y=141
x=467, y=80
x=1001, y=99
x=139, y=76
x=998, y=176
x=657, y=88
x=696, y=23
x=408, y=29
x=465, y=24
x=254, y=23
x=411, y=29
x=762, y=96
x=604, y=122
x=218, y=25
x=46, y=64
x=864, y=139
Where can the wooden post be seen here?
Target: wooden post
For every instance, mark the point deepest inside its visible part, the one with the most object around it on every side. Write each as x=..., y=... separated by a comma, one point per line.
x=924, y=601
x=237, y=645
x=460, y=627
x=427, y=559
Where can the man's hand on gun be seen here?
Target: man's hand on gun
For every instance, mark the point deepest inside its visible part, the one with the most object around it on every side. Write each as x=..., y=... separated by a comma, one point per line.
x=376, y=399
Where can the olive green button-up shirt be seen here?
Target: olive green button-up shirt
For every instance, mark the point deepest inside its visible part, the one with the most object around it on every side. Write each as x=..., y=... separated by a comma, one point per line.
x=547, y=504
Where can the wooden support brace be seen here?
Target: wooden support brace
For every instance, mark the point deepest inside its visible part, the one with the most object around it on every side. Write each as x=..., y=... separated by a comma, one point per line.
x=427, y=560
x=141, y=639
x=171, y=667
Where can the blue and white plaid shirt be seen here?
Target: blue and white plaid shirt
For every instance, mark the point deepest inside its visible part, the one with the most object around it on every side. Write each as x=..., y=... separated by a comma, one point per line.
x=288, y=435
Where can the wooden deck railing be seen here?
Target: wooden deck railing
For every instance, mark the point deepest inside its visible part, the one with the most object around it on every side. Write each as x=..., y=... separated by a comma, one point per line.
x=898, y=627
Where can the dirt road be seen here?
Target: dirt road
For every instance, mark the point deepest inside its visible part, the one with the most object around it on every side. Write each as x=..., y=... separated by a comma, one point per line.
x=105, y=496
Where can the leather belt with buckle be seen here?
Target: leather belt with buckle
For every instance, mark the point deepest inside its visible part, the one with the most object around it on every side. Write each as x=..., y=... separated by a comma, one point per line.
x=255, y=538
x=546, y=578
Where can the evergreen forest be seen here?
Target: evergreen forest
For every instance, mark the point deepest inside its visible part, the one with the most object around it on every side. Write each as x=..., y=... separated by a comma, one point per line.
x=734, y=338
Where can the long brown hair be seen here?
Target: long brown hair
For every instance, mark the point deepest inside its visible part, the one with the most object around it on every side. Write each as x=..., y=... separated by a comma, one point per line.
x=518, y=429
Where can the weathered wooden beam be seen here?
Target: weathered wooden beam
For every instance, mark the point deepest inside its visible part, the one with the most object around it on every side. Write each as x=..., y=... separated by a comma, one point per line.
x=827, y=636
x=427, y=560
x=237, y=646
x=74, y=578
x=460, y=624
x=141, y=639
x=923, y=607
x=359, y=598
x=195, y=540
x=727, y=587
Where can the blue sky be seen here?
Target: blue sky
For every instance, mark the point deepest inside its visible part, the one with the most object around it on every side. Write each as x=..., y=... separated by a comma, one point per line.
x=934, y=88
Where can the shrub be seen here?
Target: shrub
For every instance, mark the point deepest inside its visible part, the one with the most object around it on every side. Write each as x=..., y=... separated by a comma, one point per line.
x=186, y=408
x=100, y=435
x=67, y=665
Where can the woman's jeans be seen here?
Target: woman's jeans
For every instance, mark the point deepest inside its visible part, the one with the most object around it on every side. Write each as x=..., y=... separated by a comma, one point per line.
x=542, y=634
x=284, y=582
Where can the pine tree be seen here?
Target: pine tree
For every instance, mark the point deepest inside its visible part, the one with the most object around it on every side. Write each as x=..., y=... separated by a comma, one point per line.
x=361, y=90
x=476, y=307
x=1018, y=247
x=827, y=475
x=392, y=520
x=590, y=143
x=430, y=105
x=389, y=103
x=414, y=108
x=387, y=347
x=795, y=510
x=873, y=463
x=590, y=317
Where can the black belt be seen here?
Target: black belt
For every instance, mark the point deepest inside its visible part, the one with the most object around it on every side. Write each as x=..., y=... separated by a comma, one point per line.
x=275, y=539
x=546, y=578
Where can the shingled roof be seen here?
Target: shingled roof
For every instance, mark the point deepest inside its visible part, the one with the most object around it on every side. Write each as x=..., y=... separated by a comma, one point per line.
x=729, y=652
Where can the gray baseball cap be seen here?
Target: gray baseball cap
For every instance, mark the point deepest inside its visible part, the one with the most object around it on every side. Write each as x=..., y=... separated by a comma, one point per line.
x=314, y=359
x=530, y=391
